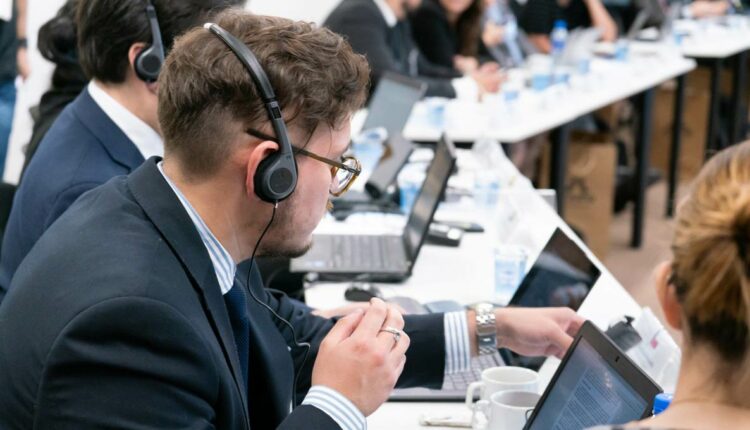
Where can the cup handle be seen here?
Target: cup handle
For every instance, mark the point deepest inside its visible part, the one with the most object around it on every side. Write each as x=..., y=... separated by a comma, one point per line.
x=480, y=408
x=470, y=393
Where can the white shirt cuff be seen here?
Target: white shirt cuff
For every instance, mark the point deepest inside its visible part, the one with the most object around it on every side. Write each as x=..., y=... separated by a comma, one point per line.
x=466, y=88
x=457, y=347
x=338, y=407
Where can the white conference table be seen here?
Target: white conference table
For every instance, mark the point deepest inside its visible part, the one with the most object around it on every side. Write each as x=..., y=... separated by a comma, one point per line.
x=535, y=113
x=554, y=109
x=712, y=42
x=466, y=275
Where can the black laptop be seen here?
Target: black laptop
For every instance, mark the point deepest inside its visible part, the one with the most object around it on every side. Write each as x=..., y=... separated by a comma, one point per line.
x=383, y=257
x=562, y=275
x=595, y=384
x=392, y=102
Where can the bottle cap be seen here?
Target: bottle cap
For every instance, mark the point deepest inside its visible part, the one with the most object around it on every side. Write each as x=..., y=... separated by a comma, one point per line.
x=661, y=402
x=560, y=23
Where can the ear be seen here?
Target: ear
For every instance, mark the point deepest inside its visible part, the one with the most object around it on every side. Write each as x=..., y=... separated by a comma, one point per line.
x=133, y=52
x=135, y=49
x=667, y=295
x=257, y=154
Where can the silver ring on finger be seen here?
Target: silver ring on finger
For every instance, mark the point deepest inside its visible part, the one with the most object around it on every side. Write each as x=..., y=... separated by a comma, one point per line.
x=393, y=331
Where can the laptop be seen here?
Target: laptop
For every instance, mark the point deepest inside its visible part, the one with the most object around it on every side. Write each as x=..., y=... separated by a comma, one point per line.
x=390, y=107
x=580, y=44
x=562, y=275
x=595, y=384
x=392, y=102
x=651, y=13
x=387, y=258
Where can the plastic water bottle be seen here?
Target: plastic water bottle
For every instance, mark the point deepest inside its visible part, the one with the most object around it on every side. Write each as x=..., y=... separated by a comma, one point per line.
x=559, y=37
x=661, y=402
x=510, y=268
x=368, y=147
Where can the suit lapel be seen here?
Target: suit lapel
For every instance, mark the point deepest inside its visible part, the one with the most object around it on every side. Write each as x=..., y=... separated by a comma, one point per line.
x=119, y=147
x=168, y=215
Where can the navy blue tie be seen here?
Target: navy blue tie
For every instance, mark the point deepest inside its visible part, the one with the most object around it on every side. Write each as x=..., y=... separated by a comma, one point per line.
x=236, y=303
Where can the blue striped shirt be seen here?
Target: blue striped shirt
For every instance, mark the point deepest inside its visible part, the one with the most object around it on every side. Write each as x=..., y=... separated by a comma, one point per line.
x=333, y=403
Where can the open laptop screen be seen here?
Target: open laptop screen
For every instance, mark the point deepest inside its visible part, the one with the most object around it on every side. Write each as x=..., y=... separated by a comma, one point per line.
x=562, y=276
x=427, y=201
x=596, y=384
x=392, y=103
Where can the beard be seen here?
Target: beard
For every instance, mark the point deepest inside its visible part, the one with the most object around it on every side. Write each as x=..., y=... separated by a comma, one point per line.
x=282, y=239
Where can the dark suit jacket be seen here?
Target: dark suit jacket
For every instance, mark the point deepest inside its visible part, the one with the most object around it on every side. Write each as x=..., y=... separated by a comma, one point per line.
x=387, y=49
x=116, y=320
x=82, y=150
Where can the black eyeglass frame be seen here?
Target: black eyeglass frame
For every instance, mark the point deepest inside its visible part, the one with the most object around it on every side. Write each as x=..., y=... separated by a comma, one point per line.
x=335, y=165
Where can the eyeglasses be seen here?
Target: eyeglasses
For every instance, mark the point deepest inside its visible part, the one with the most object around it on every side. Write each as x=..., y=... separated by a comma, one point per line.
x=343, y=173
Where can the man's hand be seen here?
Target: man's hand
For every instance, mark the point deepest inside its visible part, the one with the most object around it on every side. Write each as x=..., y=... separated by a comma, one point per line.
x=361, y=362
x=537, y=331
x=22, y=60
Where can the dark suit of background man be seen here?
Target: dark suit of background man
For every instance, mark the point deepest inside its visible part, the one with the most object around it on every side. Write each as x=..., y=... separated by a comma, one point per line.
x=110, y=129
x=128, y=312
x=379, y=30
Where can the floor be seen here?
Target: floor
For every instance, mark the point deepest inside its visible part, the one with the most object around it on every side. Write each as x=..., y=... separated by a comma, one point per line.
x=634, y=267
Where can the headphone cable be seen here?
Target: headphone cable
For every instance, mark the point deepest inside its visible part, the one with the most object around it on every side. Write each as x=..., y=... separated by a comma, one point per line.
x=306, y=345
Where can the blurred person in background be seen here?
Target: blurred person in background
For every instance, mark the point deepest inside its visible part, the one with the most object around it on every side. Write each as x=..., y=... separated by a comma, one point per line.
x=111, y=127
x=14, y=62
x=537, y=19
x=380, y=30
x=448, y=32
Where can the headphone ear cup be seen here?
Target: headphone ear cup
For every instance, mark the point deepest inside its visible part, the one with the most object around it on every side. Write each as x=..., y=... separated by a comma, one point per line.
x=274, y=180
x=148, y=64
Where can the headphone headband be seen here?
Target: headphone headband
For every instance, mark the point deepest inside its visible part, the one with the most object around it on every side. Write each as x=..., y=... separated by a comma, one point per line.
x=276, y=176
x=149, y=61
x=153, y=22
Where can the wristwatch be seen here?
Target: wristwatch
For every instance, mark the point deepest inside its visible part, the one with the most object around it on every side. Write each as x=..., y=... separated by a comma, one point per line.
x=486, y=330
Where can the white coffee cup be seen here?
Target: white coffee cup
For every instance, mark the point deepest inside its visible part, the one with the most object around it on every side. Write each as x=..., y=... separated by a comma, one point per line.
x=506, y=410
x=503, y=378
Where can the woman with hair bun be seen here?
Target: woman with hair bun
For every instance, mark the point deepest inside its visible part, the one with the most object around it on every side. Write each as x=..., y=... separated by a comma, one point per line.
x=705, y=293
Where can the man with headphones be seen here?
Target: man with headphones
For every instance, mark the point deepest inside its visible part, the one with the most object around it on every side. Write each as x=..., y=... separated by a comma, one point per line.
x=139, y=317
x=112, y=127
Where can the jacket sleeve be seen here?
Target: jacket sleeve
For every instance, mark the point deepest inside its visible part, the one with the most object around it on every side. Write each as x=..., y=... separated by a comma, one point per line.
x=425, y=359
x=131, y=363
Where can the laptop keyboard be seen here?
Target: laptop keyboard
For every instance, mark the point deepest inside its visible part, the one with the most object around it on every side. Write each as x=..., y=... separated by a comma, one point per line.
x=460, y=381
x=454, y=386
x=372, y=252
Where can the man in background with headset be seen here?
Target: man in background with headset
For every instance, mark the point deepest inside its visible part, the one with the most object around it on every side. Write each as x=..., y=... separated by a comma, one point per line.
x=128, y=313
x=112, y=127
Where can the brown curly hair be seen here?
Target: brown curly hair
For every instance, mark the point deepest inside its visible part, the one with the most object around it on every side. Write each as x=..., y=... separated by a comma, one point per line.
x=317, y=78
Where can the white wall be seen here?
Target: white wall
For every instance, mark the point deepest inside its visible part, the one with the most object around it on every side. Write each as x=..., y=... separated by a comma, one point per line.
x=30, y=91
x=305, y=10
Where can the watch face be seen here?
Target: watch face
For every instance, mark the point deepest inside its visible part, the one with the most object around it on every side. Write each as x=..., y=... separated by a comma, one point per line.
x=483, y=307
